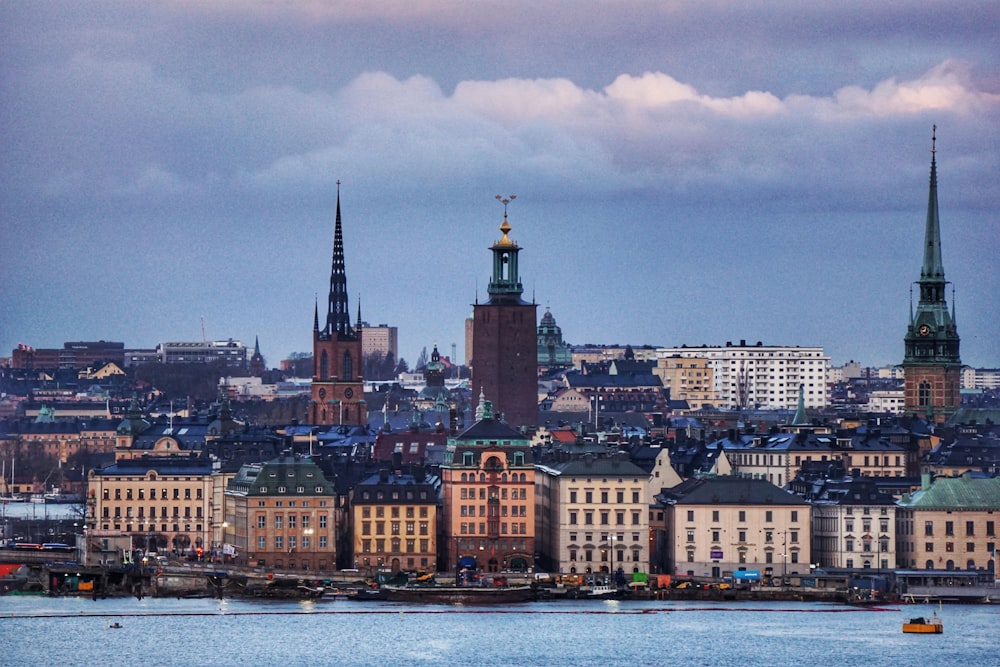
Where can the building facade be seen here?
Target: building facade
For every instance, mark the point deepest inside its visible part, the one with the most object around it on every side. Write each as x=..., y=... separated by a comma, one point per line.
x=593, y=516
x=488, y=497
x=553, y=353
x=395, y=522
x=282, y=514
x=164, y=503
x=380, y=340
x=949, y=524
x=688, y=379
x=337, y=383
x=719, y=525
x=762, y=376
x=504, y=333
x=932, y=369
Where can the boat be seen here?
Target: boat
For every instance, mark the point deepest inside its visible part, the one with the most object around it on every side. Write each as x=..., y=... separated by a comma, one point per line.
x=459, y=594
x=924, y=626
x=603, y=591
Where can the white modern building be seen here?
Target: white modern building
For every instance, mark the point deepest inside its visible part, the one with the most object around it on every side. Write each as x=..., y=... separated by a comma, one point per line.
x=763, y=376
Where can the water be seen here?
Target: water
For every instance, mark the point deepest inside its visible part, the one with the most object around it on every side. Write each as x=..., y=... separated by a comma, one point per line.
x=74, y=631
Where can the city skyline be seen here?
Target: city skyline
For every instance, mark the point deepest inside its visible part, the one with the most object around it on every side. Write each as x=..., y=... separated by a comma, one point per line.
x=686, y=173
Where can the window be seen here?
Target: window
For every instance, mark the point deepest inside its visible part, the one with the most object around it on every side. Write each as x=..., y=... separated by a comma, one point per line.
x=743, y=536
x=690, y=515
x=970, y=528
x=715, y=516
x=768, y=516
x=279, y=542
x=795, y=516
x=949, y=528
x=929, y=528
x=279, y=522
x=322, y=521
x=929, y=546
x=690, y=536
x=261, y=542
x=261, y=521
x=742, y=519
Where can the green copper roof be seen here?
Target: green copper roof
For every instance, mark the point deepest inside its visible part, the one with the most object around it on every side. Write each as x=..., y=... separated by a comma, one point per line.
x=952, y=493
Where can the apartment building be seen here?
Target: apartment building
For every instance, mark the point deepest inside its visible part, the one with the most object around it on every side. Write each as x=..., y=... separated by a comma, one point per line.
x=762, y=376
x=593, y=516
x=282, y=514
x=949, y=524
x=715, y=526
x=690, y=379
x=163, y=502
x=395, y=522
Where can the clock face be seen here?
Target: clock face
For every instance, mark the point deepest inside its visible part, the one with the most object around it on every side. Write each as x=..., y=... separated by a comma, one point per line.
x=924, y=329
x=348, y=393
x=322, y=393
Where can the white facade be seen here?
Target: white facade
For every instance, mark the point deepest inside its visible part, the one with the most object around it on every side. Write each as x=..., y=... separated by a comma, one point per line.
x=763, y=376
x=980, y=378
x=887, y=400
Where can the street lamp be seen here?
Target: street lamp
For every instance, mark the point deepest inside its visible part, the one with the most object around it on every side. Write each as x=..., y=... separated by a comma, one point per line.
x=307, y=537
x=222, y=542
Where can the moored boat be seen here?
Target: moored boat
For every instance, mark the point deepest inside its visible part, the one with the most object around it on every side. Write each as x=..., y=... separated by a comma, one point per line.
x=459, y=594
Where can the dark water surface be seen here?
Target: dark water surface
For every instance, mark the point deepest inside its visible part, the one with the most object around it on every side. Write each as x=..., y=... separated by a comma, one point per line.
x=74, y=631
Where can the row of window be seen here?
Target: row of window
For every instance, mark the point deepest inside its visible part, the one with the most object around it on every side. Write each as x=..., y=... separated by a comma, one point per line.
x=395, y=495
x=515, y=494
x=151, y=527
x=293, y=543
x=284, y=489
x=588, y=497
x=293, y=520
x=742, y=516
x=395, y=546
x=589, y=537
x=515, y=510
x=394, y=528
x=152, y=512
x=949, y=528
x=366, y=512
x=741, y=556
x=588, y=555
x=140, y=494
x=741, y=536
x=970, y=547
x=469, y=528
x=588, y=518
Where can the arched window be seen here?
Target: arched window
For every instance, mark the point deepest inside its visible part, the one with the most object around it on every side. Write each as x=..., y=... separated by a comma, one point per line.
x=929, y=565
x=924, y=394
x=324, y=366
x=950, y=565
x=347, y=370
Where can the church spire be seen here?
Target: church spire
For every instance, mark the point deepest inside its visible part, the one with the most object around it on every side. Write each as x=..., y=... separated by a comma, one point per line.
x=933, y=268
x=338, y=319
x=800, y=418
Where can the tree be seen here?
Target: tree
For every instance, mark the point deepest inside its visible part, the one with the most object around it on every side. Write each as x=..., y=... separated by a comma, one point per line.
x=401, y=367
x=422, y=359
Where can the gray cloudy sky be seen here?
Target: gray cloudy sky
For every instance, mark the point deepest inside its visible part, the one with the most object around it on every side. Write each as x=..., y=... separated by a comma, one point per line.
x=685, y=172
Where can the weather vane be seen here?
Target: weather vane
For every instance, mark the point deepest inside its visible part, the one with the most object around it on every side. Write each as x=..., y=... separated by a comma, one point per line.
x=506, y=201
x=933, y=138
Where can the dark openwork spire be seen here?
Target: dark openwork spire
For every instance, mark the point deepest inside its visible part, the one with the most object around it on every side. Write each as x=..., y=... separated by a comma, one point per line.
x=338, y=319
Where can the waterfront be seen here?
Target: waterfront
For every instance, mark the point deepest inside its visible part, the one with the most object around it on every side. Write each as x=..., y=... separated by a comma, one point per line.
x=74, y=631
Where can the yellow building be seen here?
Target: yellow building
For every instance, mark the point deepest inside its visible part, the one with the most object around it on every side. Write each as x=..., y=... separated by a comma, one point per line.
x=395, y=522
x=689, y=379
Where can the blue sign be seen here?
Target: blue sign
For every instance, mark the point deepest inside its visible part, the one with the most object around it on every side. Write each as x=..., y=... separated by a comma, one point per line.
x=715, y=555
x=747, y=575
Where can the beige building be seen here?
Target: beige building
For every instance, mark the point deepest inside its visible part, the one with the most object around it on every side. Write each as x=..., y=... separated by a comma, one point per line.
x=949, y=524
x=689, y=379
x=282, y=514
x=163, y=503
x=716, y=526
x=593, y=516
x=380, y=340
x=853, y=524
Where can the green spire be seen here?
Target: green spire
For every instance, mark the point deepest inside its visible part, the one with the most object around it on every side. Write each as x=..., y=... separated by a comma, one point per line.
x=800, y=418
x=933, y=268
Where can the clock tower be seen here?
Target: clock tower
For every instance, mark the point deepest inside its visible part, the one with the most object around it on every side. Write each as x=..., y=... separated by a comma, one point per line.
x=931, y=365
x=337, y=385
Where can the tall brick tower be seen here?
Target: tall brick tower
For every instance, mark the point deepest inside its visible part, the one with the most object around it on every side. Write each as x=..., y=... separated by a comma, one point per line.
x=337, y=385
x=931, y=365
x=504, y=331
